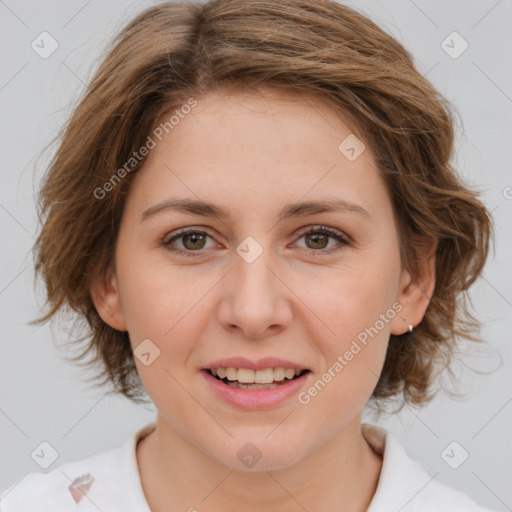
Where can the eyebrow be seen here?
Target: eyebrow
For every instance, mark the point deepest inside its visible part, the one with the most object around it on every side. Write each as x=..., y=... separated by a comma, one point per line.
x=205, y=209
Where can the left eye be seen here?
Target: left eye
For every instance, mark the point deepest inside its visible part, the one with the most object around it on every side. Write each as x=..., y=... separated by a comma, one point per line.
x=319, y=238
x=194, y=241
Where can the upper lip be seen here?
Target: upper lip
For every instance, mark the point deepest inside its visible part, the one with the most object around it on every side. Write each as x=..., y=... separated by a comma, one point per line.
x=260, y=364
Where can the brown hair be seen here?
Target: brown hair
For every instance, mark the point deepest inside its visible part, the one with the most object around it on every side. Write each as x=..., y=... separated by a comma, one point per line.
x=176, y=51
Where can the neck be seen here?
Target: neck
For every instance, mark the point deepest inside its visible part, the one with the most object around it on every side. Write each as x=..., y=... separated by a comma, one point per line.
x=341, y=475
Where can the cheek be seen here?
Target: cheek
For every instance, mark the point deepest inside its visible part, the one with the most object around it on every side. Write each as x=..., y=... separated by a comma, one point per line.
x=159, y=298
x=356, y=304
x=353, y=357
x=352, y=299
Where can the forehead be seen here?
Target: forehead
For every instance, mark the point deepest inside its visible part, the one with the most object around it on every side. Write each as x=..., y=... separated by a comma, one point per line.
x=258, y=150
x=265, y=122
x=270, y=117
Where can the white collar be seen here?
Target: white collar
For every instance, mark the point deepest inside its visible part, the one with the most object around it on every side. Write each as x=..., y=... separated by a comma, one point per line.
x=116, y=484
x=403, y=483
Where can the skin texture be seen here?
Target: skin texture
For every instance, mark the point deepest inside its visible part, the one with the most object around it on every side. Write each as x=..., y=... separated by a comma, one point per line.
x=252, y=153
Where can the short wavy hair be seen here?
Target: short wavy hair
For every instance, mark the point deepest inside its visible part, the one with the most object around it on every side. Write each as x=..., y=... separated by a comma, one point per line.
x=180, y=50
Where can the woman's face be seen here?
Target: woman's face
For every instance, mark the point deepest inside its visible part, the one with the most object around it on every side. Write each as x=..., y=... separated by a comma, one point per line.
x=252, y=283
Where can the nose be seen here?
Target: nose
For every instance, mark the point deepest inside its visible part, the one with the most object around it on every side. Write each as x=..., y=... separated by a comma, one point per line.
x=255, y=300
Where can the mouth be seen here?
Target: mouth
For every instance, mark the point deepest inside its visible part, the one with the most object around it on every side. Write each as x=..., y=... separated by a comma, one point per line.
x=259, y=380
x=245, y=388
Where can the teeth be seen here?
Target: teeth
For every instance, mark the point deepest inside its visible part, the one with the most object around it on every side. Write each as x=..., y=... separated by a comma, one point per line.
x=289, y=373
x=279, y=373
x=262, y=376
x=231, y=373
x=247, y=376
x=238, y=385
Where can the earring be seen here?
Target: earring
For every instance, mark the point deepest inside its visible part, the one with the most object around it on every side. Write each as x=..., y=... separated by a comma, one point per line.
x=410, y=328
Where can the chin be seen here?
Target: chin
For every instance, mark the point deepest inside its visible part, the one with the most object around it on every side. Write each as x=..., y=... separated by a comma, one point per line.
x=260, y=456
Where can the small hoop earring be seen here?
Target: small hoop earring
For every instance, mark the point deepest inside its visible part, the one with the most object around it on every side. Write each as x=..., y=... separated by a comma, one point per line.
x=410, y=328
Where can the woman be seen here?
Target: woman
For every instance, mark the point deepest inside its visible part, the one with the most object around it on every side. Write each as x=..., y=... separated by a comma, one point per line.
x=254, y=210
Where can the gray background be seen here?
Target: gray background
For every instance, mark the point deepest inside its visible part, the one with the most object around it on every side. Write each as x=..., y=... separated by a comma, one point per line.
x=43, y=398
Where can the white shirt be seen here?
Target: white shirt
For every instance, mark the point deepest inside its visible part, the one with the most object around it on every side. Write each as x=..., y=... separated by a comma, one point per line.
x=109, y=481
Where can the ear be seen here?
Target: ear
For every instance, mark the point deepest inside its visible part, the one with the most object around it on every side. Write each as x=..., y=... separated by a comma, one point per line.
x=105, y=296
x=415, y=292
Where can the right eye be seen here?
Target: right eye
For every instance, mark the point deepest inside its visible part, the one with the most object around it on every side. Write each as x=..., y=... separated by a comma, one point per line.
x=192, y=240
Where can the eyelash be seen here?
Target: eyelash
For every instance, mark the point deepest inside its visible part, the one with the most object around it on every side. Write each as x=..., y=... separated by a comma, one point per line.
x=324, y=230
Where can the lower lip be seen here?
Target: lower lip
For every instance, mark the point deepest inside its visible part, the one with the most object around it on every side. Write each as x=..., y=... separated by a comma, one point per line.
x=255, y=398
